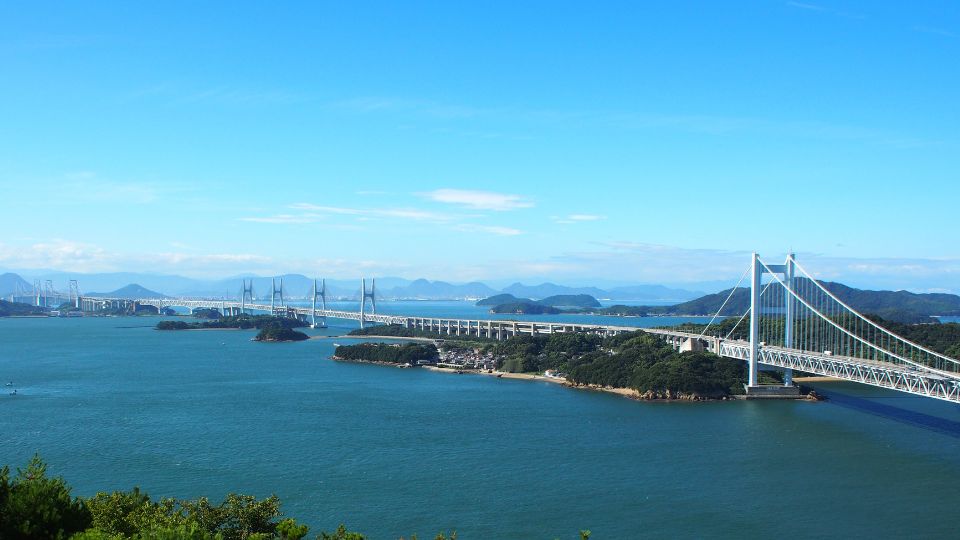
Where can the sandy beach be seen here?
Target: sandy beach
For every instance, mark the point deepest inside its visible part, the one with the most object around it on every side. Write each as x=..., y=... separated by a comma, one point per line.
x=499, y=374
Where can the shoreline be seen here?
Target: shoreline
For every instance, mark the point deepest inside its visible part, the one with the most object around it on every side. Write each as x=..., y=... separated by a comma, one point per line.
x=378, y=338
x=499, y=374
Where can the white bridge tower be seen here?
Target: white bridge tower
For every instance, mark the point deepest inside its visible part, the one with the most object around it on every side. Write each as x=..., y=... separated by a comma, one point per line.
x=322, y=294
x=364, y=295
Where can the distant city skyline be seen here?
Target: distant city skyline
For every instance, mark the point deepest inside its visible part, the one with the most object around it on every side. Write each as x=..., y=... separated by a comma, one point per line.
x=497, y=143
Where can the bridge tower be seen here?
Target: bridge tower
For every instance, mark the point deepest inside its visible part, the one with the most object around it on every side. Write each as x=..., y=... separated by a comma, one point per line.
x=247, y=291
x=364, y=295
x=75, y=293
x=48, y=292
x=322, y=294
x=274, y=294
x=38, y=291
x=757, y=270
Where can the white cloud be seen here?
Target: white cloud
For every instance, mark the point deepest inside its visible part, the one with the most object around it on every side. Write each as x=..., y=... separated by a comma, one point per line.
x=490, y=229
x=479, y=200
x=283, y=218
x=576, y=218
x=314, y=213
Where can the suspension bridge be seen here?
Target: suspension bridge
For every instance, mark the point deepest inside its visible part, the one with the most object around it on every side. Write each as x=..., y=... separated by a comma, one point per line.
x=792, y=323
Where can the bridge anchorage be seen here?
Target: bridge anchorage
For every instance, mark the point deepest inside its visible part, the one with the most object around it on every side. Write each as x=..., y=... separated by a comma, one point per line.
x=363, y=298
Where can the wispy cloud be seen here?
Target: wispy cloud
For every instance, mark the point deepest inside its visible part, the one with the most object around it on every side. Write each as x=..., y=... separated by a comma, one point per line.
x=803, y=5
x=489, y=229
x=400, y=105
x=400, y=213
x=284, y=219
x=823, y=9
x=577, y=218
x=479, y=200
x=932, y=30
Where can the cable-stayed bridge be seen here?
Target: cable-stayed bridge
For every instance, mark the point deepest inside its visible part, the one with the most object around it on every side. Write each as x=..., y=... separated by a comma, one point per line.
x=792, y=323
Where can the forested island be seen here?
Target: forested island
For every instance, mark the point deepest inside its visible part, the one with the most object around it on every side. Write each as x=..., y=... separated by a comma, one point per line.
x=242, y=322
x=551, y=305
x=277, y=332
x=407, y=354
x=34, y=505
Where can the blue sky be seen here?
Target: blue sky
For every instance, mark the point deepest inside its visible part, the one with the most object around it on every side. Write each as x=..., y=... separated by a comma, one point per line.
x=604, y=143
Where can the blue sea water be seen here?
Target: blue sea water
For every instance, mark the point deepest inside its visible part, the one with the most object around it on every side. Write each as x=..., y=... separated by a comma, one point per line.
x=111, y=403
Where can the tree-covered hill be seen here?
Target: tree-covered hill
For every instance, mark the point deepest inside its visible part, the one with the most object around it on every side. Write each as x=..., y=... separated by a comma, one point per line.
x=13, y=309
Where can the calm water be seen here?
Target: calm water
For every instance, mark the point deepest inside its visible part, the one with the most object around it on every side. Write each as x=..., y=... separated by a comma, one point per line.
x=111, y=403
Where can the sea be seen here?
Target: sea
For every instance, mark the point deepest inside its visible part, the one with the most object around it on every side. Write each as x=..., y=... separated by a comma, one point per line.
x=111, y=403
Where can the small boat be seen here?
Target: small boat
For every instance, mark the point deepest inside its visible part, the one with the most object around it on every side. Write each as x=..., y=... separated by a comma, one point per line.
x=14, y=392
x=499, y=375
x=10, y=383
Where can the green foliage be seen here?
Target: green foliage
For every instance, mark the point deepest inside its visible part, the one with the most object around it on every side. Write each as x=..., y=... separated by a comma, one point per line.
x=276, y=332
x=128, y=513
x=407, y=353
x=699, y=373
x=289, y=529
x=504, y=298
x=341, y=534
x=206, y=313
x=570, y=300
x=35, y=506
x=8, y=309
x=526, y=308
x=243, y=322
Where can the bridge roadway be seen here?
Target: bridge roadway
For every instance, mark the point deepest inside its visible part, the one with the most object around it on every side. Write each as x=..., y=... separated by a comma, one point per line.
x=904, y=378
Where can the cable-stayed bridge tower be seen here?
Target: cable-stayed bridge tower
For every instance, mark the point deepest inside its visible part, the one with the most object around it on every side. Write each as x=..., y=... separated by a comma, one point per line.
x=275, y=293
x=244, y=294
x=322, y=294
x=364, y=295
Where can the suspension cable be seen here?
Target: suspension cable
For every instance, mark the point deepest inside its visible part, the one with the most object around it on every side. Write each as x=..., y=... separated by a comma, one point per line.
x=875, y=348
x=871, y=323
x=729, y=296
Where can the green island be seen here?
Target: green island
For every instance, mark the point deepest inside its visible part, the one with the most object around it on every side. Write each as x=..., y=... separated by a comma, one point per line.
x=35, y=505
x=551, y=305
x=242, y=322
x=277, y=333
x=404, y=354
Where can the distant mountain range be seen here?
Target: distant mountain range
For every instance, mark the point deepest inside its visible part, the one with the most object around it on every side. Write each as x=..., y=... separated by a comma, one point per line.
x=300, y=286
x=11, y=283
